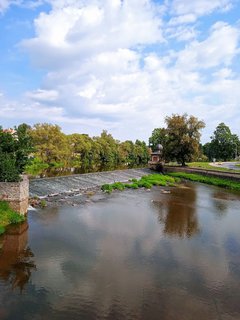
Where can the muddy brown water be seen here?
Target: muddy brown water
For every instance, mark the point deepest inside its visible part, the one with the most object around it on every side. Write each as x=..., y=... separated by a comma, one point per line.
x=132, y=255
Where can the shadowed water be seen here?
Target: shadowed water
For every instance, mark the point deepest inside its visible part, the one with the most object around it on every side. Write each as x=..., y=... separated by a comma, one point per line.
x=134, y=255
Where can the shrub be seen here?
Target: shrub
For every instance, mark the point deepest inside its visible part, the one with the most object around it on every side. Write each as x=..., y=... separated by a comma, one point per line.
x=8, y=216
x=36, y=167
x=14, y=150
x=8, y=168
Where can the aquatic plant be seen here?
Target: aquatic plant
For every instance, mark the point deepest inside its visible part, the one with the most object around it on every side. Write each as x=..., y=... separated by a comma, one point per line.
x=145, y=182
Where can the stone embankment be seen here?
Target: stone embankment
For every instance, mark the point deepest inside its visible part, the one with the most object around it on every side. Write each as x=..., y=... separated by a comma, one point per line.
x=49, y=187
x=209, y=173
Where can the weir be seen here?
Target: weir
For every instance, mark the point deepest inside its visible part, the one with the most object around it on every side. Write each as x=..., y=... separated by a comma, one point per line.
x=51, y=186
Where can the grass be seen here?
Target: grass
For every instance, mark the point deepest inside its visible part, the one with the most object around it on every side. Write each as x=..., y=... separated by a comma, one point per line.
x=228, y=184
x=145, y=182
x=8, y=216
x=207, y=166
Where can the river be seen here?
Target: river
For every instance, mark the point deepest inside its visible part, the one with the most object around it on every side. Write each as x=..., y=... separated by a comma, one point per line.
x=134, y=254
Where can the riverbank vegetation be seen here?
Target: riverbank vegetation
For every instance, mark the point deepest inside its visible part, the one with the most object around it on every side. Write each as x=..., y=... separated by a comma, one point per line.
x=145, y=182
x=228, y=184
x=44, y=148
x=205, y=166
x=54, y=150
x=8, y=216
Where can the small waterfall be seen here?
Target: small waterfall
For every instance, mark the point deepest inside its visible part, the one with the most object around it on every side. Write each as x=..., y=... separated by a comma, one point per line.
x=53, y=186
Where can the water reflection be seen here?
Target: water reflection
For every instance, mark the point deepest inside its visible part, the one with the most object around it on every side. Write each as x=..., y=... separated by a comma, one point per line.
x=113, y=260
x=16, y=258
x=177, y=212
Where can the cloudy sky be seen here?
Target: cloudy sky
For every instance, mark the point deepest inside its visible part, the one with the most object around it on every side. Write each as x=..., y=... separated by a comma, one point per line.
x=120, y=65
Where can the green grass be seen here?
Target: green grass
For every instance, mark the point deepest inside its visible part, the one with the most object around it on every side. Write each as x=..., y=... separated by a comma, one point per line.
x=207, y=166
x=8, y=216
x=145, y=182
x=233, y=185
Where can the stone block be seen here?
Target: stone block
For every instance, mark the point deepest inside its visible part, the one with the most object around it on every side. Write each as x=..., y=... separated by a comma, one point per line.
x=16, y=194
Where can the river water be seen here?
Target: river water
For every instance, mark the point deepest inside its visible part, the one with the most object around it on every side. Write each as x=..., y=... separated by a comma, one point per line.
x=135, y=254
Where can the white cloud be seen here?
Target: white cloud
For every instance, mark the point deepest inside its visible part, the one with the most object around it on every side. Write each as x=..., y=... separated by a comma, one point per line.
x=5, y=4
x=108, y=66
x=73, y=32
x=184, y=19
x=219, y=48
x=43, y=95
x=199, y=7
x=31, y=4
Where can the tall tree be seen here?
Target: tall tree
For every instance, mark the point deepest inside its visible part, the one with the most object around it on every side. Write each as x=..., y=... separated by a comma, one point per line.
x=183, y=137
x=51, y=144
x=224, y=144
x=180, y=140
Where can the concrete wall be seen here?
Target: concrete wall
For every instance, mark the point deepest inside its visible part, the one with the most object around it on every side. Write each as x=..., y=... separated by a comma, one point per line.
x=16, y=194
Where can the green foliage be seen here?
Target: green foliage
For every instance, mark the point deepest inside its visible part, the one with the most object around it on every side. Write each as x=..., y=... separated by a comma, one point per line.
x=51, y=145
x=207, y=166
x=145, y=182
x=2, y=230
x=57, y=150
x=15, y=148
x=209, y=180
x=43, y=203
x=24, y=146
x=36, y=167
x=180, y=139
x=223, y=146
x=8, y=168
x=8, y=216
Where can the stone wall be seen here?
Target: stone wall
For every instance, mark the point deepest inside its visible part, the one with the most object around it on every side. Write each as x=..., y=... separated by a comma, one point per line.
x=16, y=194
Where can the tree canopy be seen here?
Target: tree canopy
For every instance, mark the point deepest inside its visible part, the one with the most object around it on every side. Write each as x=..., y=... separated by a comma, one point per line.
x=15, y=147
x=223, y=145
x=180, y=139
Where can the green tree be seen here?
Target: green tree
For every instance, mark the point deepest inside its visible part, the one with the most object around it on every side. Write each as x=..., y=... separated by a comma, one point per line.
x=180, y=139
x=82, y=149
x=15, y=148
x=51, y=145
x=183, y=137
x=24, y=145
x=224, y=144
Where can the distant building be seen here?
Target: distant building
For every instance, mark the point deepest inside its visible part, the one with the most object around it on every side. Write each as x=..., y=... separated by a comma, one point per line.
x=10, y=130
x=156, y=162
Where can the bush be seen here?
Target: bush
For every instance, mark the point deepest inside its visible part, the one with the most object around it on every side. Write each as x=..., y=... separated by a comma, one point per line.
x=8, y=168
x=8, y=216
x=36, y=167
x=15, y=148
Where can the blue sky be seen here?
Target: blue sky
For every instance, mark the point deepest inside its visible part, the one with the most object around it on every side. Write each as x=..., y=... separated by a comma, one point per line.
x=119, y=65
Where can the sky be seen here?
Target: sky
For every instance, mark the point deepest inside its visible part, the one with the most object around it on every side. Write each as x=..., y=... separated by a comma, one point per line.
x=119, y=65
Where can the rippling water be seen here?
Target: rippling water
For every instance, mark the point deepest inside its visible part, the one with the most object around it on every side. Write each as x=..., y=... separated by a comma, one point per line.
x=134, y=255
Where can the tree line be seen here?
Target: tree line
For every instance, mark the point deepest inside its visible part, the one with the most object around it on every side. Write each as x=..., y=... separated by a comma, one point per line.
x=45, y=148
